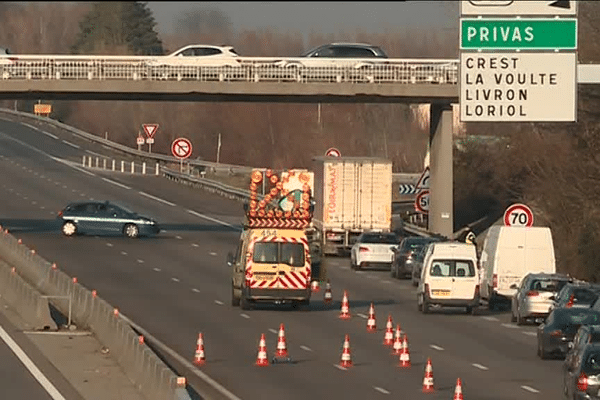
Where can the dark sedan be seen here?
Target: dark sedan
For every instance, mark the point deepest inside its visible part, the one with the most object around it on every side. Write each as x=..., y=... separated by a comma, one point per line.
x=96, y=217
x=582, y=375
x=559, y=329
x=577, y=294
x=402, y=263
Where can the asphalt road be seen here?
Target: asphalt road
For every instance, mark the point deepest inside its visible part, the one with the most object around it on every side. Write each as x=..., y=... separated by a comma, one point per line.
x=178, y=284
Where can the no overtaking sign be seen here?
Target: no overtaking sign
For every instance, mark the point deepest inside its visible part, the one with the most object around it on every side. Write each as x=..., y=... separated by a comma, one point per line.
x=181, y=148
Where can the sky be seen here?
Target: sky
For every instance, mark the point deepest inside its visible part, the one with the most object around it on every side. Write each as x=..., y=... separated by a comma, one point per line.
x=321, y=16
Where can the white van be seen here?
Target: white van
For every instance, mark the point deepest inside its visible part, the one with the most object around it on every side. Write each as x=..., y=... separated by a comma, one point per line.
x=508, y=254
x=449, y=277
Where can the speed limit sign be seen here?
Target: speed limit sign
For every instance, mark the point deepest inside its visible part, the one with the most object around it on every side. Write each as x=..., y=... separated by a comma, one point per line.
x=422, y=202
x=518, y=215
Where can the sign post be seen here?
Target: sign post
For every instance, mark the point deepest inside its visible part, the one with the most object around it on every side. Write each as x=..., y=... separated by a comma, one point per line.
x=513, y=69
x=150, y=130
x=140, y=141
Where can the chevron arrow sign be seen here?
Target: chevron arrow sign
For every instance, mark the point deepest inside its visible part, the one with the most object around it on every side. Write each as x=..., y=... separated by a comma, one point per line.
x=407, y=189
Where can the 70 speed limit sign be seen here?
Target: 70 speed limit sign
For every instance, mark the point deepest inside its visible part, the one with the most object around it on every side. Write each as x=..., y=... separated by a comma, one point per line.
x=518, y=215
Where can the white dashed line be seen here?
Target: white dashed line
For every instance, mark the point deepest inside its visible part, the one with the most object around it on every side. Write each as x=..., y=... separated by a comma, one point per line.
x=195, y=290
x=82, y=195
x=530, y=389
x=109, y=244
x=42, y=207
x=175, y=279
x=49, y=134
x=124, y=253
x=51, y=212
x=481, y=367
x=197, y=214
x=363, y=316
x=212, y=253
x=116, y=183
x=529, y=333
x=510, y=326
x=219, y=302
x=490, y=318
x=438, y=348
x=140, y=261
x=386, y=281
x=156, y=269
x=346, y=268
x=157, y=199
x=273, y=331
x=70, y=144
x=245, y=316
x=381, y=390
x=178, y=237
x=72, y=190
x=340, y=367
x=371, y=277
x=305, y=348
x=360, y=272
x=195, y=245
x=34, y=202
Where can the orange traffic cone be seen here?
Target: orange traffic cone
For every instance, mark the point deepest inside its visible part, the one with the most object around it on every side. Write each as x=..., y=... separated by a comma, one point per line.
x=428, y=378
x=371, y=324
x=199, y=358
x=345, y=313
x=571, y=301
x=388, y=338
x=458, y=391
x=327, y=298
x=405, y=355
x=346, y=360
x=261, y=359
x=281, y=343
x=315, y=287
x=397, y=341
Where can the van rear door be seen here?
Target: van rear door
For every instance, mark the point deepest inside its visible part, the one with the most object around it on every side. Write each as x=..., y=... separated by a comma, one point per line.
x=464, y=279
x=440, y=279
x=294, y=264
x=510, y=265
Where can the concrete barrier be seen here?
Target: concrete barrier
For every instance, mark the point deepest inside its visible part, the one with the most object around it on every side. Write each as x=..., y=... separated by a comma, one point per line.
x=26, y=300
x=153, y=378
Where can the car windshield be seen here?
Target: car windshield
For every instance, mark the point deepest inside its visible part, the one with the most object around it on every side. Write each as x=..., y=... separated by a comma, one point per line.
x=547, y=285
x=387, y=238
x=276, y=252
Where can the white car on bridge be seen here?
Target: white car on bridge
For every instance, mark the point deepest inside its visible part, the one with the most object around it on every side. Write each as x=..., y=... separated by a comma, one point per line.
x=199, y=55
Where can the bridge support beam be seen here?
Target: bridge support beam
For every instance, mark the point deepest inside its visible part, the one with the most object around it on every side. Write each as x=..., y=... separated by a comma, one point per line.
x=441, y=204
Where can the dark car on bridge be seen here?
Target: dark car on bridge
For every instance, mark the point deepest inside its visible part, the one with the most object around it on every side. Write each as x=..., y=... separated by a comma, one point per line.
x=554, y=335
x=104, y=217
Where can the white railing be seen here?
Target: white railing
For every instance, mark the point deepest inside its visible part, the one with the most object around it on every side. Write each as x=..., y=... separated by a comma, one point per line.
x=246, y=69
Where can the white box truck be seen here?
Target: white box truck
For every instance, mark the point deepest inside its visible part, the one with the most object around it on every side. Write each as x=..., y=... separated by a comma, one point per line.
x=508, y=254
x=352, y=195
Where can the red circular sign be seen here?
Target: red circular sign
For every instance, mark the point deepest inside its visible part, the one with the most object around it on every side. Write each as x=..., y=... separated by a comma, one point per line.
x=422, y=202
x=518, y=215
x=333, y=152
x=181, y=148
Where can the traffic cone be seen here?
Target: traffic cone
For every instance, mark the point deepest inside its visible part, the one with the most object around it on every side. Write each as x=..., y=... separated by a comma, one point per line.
x=371, y=324
x=571, y=301
x=328, y=298
x=397, y=341
x=388, y=338
x=281, y=343
x=458, y=390
x=261, y=359
x=315, y=287
x=199, y=358
x=405, y=355
x=345, y=313
x=346, y=360
x=428, y=378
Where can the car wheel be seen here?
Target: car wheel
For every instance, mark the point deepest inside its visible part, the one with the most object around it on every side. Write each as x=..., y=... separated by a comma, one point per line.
x=393, y=272
x=245, y=303
x=235, y=297
x=470, y=310
x=425, y=307
x=69, y=228
x=419, y=304
x=131, y=231
x=520, y=320
x=513, y=318
x=541, y=352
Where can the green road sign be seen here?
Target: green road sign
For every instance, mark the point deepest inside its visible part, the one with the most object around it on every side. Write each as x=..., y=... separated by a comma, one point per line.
x=522, y=33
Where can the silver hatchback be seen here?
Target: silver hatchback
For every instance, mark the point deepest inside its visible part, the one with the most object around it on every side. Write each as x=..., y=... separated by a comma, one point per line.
x=535, y=296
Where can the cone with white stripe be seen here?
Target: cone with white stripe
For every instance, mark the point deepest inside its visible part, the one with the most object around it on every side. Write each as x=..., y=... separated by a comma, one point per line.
x=388, y=338
x=199, y=357
x=345, y=312
x=346, y=360
x=458, y=390
x=428, y=378
x=328, y=297
x=315, y=287
x=371, y=323
x=281, y=343
x=405, y=355
x=397, y=347
x=261, y=359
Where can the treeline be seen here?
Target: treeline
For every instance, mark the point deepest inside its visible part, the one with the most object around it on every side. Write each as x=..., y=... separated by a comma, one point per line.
x=554, y=168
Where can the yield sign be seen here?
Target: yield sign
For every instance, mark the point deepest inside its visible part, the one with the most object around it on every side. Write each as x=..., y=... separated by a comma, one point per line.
x=150, y=129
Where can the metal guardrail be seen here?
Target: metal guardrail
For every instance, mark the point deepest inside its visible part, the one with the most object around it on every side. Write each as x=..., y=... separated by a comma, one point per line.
x=244, y=69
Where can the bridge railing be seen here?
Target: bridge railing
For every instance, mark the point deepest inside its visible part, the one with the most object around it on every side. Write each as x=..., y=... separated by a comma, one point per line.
x=245, y=69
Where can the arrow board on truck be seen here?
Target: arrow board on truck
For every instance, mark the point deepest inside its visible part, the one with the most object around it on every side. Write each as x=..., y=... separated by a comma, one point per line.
x=423, y=182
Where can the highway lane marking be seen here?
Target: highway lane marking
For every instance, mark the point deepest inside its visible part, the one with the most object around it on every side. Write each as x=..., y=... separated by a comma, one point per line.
x=195, y=245
x=190, y=367
x=72, y=190
x=42, y=207
x=195, y=290
x=435, y=347
x=212, y=253
x=386, y=281
x=529, y=333
x=244, y=316
x=510, y=326
x=49, y=134
x=31, y=367
x=346, y=268
x=140, y=261
x=70, y=144
x=363, y=316
x=116, y=183
x=156, y=269
x=178, y=237
x=340, y=367
x=530, y=389
x=273, y=331
x=481, y=367
x=360, y=272
x=124, y=253
x=490, y=318
x=303, y=347
x=109, y=244
x=381, y=390
x=157, y=199
x=175, y=279
x=218, y=221
x=219, y=302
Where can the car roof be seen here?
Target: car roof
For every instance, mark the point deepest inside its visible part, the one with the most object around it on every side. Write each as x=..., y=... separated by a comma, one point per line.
x=540, y=275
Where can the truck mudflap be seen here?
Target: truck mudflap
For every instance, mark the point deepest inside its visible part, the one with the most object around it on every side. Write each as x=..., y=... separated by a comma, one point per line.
x=278, y=295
